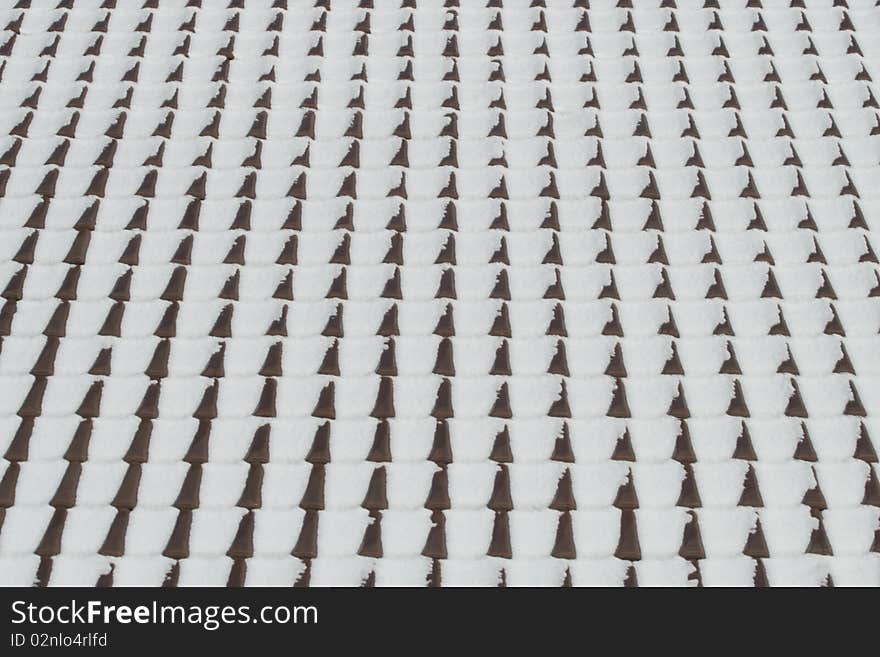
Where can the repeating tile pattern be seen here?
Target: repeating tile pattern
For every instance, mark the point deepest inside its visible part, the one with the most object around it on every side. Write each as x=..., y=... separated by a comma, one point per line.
x=426, y=292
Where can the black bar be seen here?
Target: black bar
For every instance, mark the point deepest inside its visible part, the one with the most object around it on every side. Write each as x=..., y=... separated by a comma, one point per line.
x=372, y=621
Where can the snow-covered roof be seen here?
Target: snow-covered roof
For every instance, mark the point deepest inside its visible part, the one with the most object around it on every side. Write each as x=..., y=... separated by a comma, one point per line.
x=414, y=292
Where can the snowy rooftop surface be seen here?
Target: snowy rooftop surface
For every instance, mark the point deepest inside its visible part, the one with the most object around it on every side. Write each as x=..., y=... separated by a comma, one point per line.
x=426, y=292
